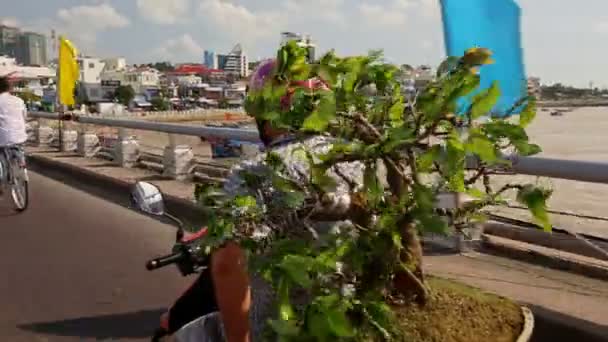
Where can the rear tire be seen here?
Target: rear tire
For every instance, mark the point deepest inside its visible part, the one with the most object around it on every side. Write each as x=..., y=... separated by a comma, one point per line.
x=19, y=191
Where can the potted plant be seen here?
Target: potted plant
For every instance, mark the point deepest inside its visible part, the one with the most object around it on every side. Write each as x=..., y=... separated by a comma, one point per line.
x=368, y=282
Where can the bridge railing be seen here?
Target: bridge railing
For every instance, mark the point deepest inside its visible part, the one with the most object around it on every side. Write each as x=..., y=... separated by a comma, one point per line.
x=78, y=135
x=176, y=150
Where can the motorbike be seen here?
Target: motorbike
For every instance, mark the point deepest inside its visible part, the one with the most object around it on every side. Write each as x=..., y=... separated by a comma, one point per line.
x=196, y=302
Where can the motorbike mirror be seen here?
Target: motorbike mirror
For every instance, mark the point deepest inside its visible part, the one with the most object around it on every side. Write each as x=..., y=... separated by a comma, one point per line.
x=148, y=198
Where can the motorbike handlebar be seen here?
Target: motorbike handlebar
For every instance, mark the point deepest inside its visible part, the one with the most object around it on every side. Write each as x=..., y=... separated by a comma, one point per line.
x=166, y=260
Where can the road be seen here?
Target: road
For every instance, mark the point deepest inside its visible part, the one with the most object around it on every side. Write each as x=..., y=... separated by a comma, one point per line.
x=72, y=269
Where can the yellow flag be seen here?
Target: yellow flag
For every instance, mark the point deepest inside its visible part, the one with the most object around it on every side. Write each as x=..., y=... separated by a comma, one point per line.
x=69, y=72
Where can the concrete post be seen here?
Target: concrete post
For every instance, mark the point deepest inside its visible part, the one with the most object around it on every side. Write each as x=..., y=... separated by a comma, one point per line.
x=88, y=143
x=44, y=134
x=126, y=150
x=70, y=141
x=177, y=160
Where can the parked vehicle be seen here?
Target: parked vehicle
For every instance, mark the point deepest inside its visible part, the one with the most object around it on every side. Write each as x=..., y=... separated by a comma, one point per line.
x=199, y=300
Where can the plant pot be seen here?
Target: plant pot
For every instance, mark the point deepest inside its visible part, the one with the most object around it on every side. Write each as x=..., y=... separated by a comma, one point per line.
x=526, y=333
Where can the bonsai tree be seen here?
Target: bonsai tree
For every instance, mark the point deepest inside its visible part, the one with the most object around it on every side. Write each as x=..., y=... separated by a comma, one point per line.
x=426, y=149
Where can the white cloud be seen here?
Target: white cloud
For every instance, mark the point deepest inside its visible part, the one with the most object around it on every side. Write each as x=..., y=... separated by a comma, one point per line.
x=164, y=11
x=180, y=49
x=238, y=23
x=386, y=16
x=10, y=21
x=601, y=26
x=85, y=22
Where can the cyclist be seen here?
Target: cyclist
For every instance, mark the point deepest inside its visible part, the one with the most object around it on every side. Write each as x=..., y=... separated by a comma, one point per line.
x=13, y=113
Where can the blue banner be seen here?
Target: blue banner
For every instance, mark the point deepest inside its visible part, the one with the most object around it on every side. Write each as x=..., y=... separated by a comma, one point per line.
x=492, y=24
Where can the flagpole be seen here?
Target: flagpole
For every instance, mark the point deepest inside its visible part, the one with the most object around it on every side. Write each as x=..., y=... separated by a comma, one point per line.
x=60, y=107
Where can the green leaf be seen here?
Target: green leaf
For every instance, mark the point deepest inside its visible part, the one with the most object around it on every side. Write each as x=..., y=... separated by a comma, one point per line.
x=373, y=188
x=322, y=115
x=396, y=113
x=397, y=137
x=321, y=179
x=297, y=268
x=338, y=323
x=528, y=114
x=536, y=200
x=525, y=149
x=284, y=328
x=294, y=199
x=483, y=147
x=485, y=101
x=455, y=163
x=245, y=202
x=426, y=160
x=432, y=223
x=286, y=312
x=476, y=193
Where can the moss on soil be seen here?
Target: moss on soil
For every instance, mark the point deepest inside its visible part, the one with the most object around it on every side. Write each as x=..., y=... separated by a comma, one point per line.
x=459, y=313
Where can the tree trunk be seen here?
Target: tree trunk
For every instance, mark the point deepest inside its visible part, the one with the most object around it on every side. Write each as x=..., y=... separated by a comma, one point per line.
x=409, y=281
x=409, y=278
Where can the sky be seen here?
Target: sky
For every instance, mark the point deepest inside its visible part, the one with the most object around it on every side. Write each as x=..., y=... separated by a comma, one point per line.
x=563, y=40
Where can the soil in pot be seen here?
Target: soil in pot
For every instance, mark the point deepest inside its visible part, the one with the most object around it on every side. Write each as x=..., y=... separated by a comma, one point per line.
x=460, y=313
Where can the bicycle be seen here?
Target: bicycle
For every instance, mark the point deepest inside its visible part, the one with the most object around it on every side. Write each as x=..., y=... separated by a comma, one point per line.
x=14, y=176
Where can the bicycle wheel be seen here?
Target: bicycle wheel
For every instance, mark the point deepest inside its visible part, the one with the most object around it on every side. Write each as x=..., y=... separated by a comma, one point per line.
x=19, y=186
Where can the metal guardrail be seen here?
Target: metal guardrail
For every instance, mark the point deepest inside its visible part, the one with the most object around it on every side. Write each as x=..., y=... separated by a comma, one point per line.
x=241, y=134
x=583, y=171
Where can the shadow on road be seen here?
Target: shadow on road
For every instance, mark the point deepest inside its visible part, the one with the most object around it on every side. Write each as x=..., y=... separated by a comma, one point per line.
x=551, y=325
x=140, y=324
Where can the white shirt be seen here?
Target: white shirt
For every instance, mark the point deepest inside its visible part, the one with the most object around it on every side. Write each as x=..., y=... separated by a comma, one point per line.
x=12, y=120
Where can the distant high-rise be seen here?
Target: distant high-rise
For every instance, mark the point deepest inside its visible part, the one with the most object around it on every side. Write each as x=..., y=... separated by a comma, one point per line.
x=211, y=60
x=234, y=62
x=9, y=40
x=32, y=49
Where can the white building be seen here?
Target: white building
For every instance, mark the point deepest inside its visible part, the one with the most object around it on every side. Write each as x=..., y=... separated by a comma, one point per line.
x=30, y=78
x=90, y=70
x=140, y=79
x=235, y=62
x=114, y=64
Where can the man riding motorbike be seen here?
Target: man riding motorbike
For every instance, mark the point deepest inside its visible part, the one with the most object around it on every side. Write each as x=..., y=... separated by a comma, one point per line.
x=244, y=300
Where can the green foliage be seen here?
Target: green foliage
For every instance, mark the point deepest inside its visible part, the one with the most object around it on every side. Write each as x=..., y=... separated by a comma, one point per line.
x=160, y=104
x=124, y=94
x=422, y=146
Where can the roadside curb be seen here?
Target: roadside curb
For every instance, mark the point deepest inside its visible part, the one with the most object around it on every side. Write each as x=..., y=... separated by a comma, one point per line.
x=108, y=186
x=544, y=256
x=555, y=240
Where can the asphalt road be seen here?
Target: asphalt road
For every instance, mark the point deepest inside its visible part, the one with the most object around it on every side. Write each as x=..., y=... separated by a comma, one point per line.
x=72, y=268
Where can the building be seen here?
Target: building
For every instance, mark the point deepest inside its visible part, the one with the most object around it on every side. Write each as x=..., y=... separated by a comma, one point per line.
x=9, y=41
x=234, y=62
x=302, y=41
x=534, y=88
x=210, y=60
x=28, y=78
x=90, y=70
x=31, y=49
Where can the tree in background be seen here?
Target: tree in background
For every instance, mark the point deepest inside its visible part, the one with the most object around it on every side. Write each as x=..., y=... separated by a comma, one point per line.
x=124, y=94
x=162, y=66
x=160, y=104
